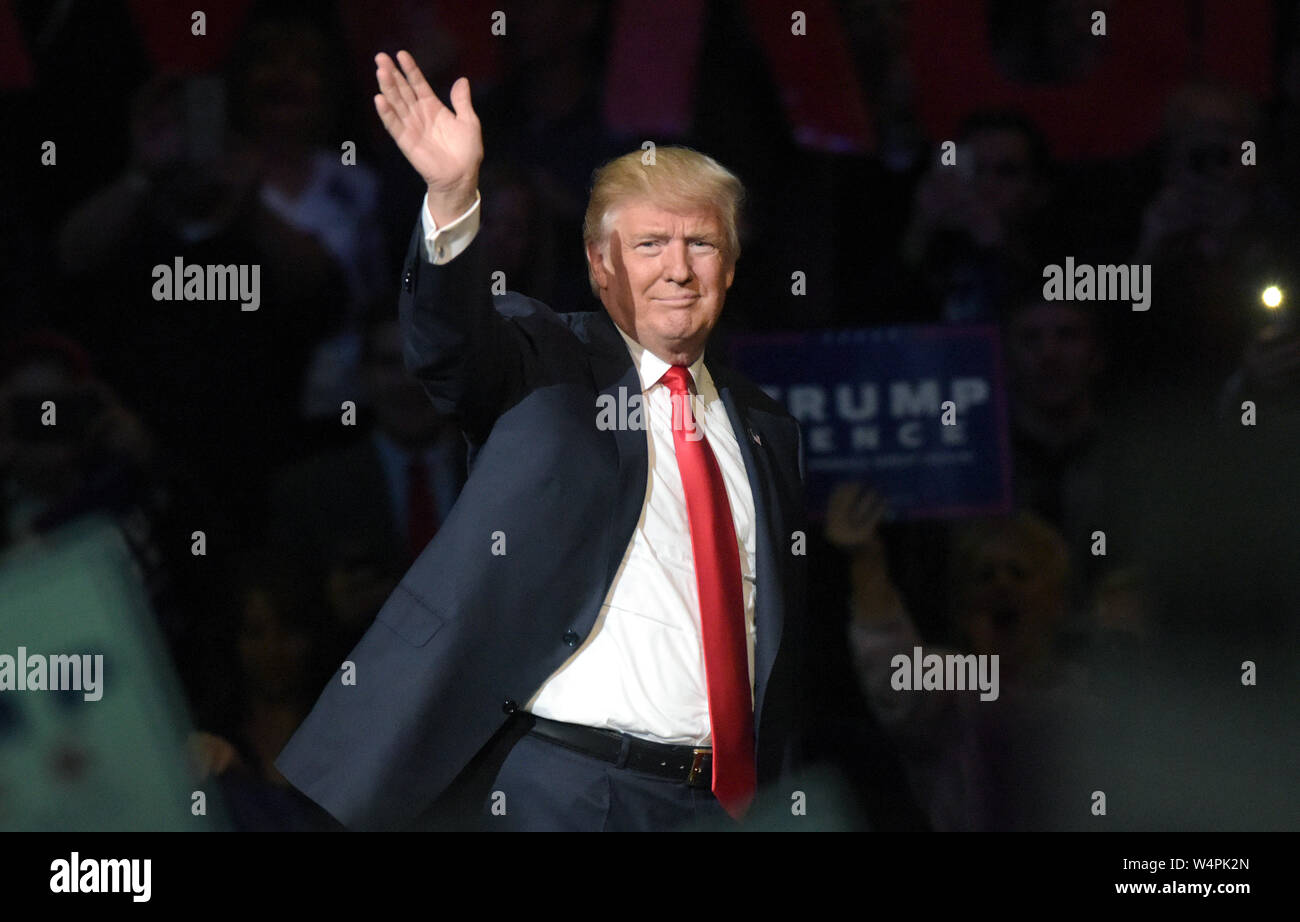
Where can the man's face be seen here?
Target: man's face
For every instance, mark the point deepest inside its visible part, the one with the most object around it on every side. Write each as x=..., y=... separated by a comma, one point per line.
x=663, y=278
x=1052, y=354
x=1004, y=178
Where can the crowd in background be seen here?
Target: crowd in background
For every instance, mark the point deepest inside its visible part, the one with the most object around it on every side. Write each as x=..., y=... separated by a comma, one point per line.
x=185, y=415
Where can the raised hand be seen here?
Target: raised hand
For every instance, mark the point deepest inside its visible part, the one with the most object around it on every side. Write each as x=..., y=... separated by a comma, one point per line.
x=852, y=514
x=445, y=145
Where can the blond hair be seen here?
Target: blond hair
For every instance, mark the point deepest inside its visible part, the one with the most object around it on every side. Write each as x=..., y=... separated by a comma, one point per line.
x=679, y=179
x=1047, y=551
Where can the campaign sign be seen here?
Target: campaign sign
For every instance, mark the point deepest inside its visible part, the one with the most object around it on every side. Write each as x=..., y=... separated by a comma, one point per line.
x=917, y=412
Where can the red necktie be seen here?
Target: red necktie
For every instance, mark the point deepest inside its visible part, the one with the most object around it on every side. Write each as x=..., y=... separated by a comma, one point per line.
x=722, y=604
x=421, y=515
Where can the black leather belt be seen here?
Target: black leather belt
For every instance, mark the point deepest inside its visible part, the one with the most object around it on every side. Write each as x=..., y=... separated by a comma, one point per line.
x=690, y=764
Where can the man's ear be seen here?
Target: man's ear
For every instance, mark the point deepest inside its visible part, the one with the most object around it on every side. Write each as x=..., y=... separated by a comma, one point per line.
x=596, y=262
x=731, y=274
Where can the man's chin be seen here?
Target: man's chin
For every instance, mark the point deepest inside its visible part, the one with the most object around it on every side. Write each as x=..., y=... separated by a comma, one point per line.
x=679, y=350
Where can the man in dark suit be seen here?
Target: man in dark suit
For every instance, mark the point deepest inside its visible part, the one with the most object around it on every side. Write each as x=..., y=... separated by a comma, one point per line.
x=606, y=631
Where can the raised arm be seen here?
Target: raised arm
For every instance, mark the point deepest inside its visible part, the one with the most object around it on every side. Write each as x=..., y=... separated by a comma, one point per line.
x=470, y=359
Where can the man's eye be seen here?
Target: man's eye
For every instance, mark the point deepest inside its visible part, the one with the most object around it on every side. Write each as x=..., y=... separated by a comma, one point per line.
x=703, y=245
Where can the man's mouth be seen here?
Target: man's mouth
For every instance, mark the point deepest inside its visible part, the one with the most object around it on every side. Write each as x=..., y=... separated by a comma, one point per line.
x=678, y=301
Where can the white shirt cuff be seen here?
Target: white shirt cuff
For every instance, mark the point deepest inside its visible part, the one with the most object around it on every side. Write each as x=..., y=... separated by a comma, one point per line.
x=443, y=244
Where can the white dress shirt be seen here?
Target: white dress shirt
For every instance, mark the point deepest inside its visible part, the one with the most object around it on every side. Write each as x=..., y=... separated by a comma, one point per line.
x=641, y=669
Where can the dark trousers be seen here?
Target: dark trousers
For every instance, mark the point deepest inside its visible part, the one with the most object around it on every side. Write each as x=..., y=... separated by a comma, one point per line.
x=543, y=786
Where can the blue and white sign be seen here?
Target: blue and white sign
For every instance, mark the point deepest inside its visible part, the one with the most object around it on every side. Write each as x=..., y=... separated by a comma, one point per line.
x=917, y=412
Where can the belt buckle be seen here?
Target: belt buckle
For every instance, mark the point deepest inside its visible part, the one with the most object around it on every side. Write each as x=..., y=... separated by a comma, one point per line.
x=697, y=766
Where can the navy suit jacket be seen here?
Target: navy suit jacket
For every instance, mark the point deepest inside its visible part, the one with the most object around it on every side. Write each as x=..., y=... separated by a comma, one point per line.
x=469, y=634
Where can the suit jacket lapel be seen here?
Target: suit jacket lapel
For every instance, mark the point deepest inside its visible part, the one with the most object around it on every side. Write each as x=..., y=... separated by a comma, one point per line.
x=616, y=377
x=756, y=434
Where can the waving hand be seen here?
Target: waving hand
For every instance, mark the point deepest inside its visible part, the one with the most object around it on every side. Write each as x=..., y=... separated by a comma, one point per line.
x=445, y=145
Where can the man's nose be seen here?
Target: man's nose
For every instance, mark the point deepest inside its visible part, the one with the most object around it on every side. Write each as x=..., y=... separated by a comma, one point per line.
x=676, y=265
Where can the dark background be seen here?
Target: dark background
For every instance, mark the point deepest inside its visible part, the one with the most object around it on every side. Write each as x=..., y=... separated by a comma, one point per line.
x=1123, y=148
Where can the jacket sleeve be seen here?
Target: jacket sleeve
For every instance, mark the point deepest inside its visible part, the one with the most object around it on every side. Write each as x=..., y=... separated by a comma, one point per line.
x=473, y=362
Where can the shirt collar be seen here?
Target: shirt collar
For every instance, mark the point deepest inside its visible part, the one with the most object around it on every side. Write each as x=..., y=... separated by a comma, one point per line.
x=651, y=368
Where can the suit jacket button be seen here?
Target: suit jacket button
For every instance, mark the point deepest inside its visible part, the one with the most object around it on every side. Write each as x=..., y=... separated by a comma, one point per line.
x=571, y=638
x=408, y=281
x=509, y=706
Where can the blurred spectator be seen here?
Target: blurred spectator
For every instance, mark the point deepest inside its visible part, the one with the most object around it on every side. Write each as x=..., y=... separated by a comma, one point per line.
x=1010, y=580
x=97, y=457
x=1205, y=194
x=545, y=116
x=87, y=452
x=218, y=384
x=519, y=229
x=286, y=89
x=974, y=764
x=284, y=96
x=188, y=180
x=1215, y=233
x=1269, y=377
x=359, y=515
x=275, y=638
x=979, y=222
x=1058, y=437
